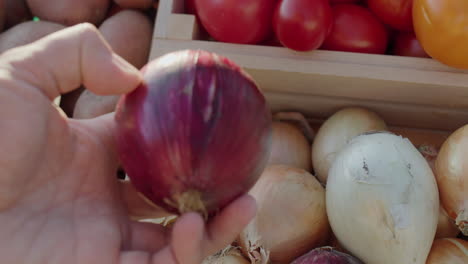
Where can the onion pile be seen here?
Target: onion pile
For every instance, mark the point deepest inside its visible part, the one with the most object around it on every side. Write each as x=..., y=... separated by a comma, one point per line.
x=452, y=177
x=183, y=139
x=291, y=217
x=335, y=133
x=382, y=200
x=326, y=255
x=448, y=251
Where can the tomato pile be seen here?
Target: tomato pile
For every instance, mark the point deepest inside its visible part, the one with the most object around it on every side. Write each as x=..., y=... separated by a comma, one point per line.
x=395, y=27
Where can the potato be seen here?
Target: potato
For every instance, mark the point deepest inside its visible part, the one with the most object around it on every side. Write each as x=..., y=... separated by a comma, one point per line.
x=26, y=33
x=70, y=12
x=18, y=12
x=141, y=4
x=129, y=33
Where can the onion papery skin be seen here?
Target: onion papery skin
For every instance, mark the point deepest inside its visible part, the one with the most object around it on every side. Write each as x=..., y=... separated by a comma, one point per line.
x=326, y=255
x=196, y=134
x=290, y=146
x=452, y=177
x=291, y=216
x=382, y=200
x=230, y=255
x=448, y=251
x=336, y=132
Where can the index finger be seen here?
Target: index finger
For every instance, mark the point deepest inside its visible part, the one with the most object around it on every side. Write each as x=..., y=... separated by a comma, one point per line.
x=62, y=61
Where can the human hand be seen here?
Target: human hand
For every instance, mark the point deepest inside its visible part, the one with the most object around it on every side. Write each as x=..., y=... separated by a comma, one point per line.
x=60, y=201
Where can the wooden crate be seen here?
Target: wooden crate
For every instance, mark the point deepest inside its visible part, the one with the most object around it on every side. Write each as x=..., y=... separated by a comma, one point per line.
x=417, y=93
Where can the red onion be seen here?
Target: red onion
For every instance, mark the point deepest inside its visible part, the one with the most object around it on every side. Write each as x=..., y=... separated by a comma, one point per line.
x=196, y=134
x=326, y=255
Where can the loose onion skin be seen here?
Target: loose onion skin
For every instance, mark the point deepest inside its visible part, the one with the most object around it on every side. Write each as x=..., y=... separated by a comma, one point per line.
x=448, y=251
x=452, y=177
x=382, y=200
x=326, y=255
x=230, y=255
x=289, y=146
x=291, y=216
x=196, y=134
x=336, y=131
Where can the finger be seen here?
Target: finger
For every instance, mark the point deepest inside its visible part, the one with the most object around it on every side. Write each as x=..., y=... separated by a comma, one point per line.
x=135, y=257
x=62, y=61
x=137, y=205
x=147, y=237
x=226, y=226
x=186, y=244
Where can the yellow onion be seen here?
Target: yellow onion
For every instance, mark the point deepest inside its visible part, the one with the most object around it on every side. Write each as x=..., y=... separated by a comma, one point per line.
x=335, y=133
x=230, y=255
x=446, y=227
x=448, y=251
x=452, y=177
x=291, y=217
x=289, y=146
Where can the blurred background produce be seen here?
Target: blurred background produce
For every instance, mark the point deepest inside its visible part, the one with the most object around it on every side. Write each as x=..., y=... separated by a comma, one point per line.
x=413, y=28
x=292, y=220
x=127, y=27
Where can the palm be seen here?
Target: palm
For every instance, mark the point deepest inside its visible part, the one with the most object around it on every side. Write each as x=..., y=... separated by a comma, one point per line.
x=66, y=196
x=60, y=201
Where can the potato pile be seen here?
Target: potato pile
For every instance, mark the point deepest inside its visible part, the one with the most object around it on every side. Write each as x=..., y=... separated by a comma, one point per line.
x=126, y=24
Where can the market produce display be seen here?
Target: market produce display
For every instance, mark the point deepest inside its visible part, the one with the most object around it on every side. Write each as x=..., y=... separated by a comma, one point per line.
x=199, y=132
x=413, y=28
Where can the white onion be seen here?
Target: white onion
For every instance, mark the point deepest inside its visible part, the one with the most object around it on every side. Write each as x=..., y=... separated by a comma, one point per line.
x=452, y=177
x=289, y=146
x=291, y=217
x=335, y=133
x=382, y=200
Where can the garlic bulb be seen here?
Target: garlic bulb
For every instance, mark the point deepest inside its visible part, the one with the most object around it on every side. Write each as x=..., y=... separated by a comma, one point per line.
x=382, y=200
x=291, y=217
x=335, y=133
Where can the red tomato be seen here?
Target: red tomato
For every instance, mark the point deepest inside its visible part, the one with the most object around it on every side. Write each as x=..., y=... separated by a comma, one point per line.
x=406, y=44
x=302, y=25
x=395, y=13
x=442, y=28
x=344, y=1
x=236, y=21
x=356, y=29
x=190, y=6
